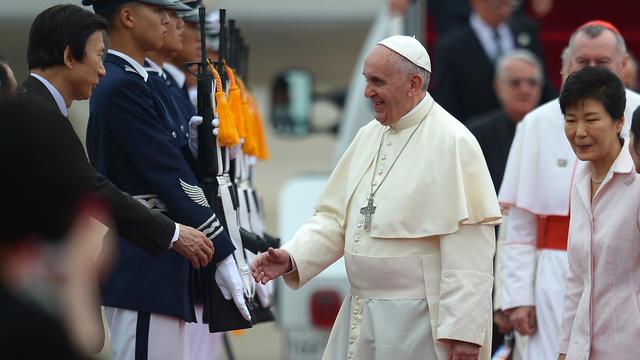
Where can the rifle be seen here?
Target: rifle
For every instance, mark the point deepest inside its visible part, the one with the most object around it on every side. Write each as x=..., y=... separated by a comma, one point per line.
x=219, y=313
x=257, y=244
x=230, y=51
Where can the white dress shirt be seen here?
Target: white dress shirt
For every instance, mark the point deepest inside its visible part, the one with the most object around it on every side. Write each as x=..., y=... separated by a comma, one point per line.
x=55, y=93
x=485, y=34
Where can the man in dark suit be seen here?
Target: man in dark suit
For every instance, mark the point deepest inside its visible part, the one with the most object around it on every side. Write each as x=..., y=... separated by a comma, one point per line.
x=65, y=66
x=518, y=84
x=466, y=57
x=131, y=139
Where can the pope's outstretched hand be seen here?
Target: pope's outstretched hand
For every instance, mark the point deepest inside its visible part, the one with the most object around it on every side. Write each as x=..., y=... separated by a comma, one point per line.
x=268, y=266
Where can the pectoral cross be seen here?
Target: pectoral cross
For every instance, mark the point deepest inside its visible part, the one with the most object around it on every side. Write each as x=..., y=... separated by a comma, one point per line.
x=367, y=211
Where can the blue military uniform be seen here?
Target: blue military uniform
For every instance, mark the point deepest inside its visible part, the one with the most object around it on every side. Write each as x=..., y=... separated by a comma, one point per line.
x=181, y=97
x=130, y=139
x=163, y=85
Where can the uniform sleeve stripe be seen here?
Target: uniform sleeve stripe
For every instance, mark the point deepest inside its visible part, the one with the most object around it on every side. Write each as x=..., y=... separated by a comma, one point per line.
x=216, y=233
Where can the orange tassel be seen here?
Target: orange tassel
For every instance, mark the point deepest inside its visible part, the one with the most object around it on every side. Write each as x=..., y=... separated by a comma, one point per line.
x=227, y=133
x=263, y=149
x=250, y=146
x=235, y=102
x=251, y=112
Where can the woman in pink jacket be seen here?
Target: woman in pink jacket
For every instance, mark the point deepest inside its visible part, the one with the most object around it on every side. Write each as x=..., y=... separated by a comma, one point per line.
x=601, y=314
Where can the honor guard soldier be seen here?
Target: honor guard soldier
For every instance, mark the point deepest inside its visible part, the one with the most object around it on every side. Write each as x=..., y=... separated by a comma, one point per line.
x=181, y=112
x=163, y=84
x=130, y=139
x=188, y=52
x=203, y=344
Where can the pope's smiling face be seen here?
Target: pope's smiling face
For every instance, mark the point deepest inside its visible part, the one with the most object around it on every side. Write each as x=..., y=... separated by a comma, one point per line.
x=387, y=87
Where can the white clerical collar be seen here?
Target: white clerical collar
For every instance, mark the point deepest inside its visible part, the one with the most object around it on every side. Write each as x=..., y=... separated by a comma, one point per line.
x=55, y=93
x=413, y=117
x=154, y=67
x=138, y=68
x=485, y=35
x=175, y=73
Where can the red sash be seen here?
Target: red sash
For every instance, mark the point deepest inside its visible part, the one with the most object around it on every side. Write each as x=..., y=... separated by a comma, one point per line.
x=553, y=232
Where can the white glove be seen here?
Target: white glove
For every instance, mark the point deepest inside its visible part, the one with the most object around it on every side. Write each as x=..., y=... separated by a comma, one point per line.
x=264, y=292
x=229, y=281
x=194, y=122
x=234, y=151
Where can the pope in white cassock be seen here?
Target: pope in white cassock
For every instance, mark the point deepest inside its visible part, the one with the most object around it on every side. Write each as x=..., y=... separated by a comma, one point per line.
x=412, y=209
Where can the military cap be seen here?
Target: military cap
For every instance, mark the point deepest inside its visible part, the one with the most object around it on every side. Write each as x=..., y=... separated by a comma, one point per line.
x=178, y=6
x=103, y=6
x=193, y=15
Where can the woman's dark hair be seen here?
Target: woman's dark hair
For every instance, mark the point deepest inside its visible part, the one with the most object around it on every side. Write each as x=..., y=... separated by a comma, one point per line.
x=57, y=28
x=5, y=86
x=635, y=127
x=596, y=83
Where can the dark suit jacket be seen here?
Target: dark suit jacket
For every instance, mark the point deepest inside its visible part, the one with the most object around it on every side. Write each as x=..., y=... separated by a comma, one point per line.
x=149, y=230
x=463, y=73
x=494, y=131
x=133, y=142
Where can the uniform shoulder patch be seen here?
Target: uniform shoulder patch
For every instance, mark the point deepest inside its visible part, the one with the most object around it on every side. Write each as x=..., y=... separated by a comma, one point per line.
x=130, y=69
x=194, y=193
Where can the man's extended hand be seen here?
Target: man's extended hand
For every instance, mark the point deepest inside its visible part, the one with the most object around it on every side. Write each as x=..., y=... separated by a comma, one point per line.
x=523, y=319
x=461, y=350
x=268, y=266
x=230, y=283
x=194, y=246
x=502, y=321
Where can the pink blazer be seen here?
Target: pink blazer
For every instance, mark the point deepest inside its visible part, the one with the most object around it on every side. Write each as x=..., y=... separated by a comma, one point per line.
x=601, y=317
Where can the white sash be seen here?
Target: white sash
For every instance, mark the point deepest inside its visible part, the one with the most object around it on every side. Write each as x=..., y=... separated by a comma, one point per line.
x=224, y=189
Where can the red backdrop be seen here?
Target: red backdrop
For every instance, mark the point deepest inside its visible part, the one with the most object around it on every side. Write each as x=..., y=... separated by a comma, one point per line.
x=566, y=15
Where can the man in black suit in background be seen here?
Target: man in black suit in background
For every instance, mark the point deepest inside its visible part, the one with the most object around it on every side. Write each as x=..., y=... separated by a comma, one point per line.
x=466, y=58
x=66, y=65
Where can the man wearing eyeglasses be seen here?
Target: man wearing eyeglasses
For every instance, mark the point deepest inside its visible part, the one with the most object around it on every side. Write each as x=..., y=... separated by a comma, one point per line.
x=518, y=85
